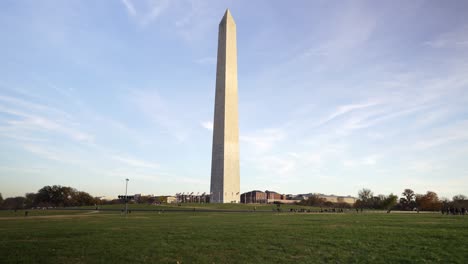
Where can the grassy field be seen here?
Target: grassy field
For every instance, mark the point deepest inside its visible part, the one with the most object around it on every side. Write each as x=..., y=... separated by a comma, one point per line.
x=207, y=206
x=214, y=237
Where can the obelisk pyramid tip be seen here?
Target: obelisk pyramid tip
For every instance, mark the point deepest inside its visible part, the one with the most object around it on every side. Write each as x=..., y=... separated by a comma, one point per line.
x=227, y=16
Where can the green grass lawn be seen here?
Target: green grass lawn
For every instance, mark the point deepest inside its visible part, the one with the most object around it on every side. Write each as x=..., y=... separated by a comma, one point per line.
x=214, y=237
x=207, y=206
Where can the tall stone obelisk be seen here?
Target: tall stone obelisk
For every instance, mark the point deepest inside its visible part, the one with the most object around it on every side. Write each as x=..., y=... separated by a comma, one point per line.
x=225, y=179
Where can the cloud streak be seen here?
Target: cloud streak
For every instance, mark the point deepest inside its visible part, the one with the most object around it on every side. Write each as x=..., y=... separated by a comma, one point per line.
x=147, y=12
x=263, y=140
x=159, y=111
x=129, y=6
x=25, y=116
x=454, y=39
x=207, y=124
x=136, y=162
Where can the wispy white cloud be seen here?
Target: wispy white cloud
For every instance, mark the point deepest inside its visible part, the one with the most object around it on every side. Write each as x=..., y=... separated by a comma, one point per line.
x=156, y=8
x=35, y=123
x=206, y=60
x=190, y=20
x=7, y=133
x=160, y=112
x=457, y=38
x=146, y=12
x=196, y=21
x=134, y=176
x=277, y=165
x=424, y=166
x=445, y=135
x=42, y=152
x=263, y=140
x=375, y=135
x=344, y=109
x=305, y=158
x=136, y=162
x=365, y=120
x=28, y=170
x=130, y=8
x=47, y=152
x=28, y=106
x=369, y=160
x=207, y=124
x=26, y=116
x=191, y=181
x=353, y=27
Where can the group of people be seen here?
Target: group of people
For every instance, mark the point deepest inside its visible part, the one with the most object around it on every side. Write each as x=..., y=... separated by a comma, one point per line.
x=454, y=211
x=329, y=210
x=332, y=210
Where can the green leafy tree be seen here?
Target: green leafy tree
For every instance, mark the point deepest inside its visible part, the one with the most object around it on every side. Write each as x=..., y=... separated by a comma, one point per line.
x=389, y=202
x=408, y=194
x=376, y=202
x=407, y=202
x=30, y=200
x=47, y=196
x=14, y=203
x=84, y=198
x=1, y=199
x=62, y=196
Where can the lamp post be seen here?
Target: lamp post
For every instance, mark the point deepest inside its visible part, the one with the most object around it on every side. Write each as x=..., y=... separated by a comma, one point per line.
x=126, y=197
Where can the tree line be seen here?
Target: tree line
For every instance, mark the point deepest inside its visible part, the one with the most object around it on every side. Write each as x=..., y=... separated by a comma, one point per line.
x=408, y=201
x=63, y=196
x=49, y=196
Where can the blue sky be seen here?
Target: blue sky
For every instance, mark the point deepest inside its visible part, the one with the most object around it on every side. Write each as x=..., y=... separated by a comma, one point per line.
x=334, y=96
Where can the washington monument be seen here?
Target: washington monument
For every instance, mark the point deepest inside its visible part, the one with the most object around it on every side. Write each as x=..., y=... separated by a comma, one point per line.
x=225, y=179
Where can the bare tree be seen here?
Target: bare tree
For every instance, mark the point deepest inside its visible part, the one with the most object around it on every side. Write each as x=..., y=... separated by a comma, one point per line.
x=459, y=197
x=365, y=197
x=365, y=194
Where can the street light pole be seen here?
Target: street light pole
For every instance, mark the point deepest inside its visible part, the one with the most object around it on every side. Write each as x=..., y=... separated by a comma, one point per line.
x=126, y=197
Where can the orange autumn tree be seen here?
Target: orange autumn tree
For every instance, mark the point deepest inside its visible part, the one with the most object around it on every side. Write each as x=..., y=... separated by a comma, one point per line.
x=428, y=202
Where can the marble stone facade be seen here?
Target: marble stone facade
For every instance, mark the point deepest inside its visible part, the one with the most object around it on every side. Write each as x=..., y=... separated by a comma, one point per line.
x=225, y=179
